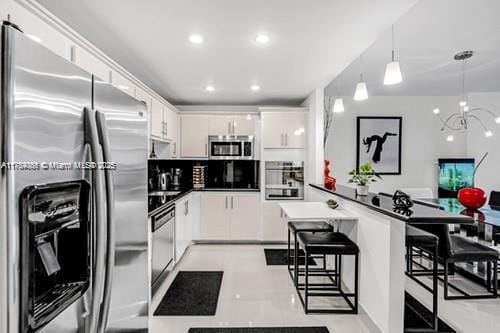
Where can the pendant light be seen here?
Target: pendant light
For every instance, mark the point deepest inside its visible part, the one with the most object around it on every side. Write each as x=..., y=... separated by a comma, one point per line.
x=338, y=105
x=392, y=69
x=361, y=92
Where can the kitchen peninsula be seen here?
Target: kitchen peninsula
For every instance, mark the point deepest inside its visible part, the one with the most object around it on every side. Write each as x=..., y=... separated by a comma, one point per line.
x=380, y=235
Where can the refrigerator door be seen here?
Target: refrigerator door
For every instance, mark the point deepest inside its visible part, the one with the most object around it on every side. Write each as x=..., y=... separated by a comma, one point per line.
x=43, y=98
x=126, y=293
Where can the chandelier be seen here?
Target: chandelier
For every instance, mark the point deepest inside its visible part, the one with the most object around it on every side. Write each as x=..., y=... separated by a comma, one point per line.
x=461, y=119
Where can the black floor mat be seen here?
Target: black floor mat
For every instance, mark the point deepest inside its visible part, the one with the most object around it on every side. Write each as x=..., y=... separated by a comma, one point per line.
x=260, y=330
x=418, y=316
x=192, y=293
x=278, y=257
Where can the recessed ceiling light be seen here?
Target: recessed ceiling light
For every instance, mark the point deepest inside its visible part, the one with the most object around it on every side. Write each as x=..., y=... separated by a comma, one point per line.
x=262, y=39
x=255, y=87
x=210, y=88
x=196, y=39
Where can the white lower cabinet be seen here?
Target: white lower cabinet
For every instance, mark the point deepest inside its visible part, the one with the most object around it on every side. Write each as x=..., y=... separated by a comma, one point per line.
x=274, y=223
x=187, y=217
x=230, y=216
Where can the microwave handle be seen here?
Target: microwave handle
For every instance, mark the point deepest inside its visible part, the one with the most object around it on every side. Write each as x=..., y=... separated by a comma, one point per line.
x=92, y=139
x=110, y=235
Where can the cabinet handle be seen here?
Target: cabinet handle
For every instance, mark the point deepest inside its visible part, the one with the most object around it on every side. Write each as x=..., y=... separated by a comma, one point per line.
x=234, y=125
x=175, y=148
x=286, y=139
x=206, y=148
x=166, y=128
x=281, y=213
x=226, y=202
x=228, y=127
x=231, y=202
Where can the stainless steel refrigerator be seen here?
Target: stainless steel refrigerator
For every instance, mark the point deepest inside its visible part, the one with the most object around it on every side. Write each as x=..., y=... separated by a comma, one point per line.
x=73, y=233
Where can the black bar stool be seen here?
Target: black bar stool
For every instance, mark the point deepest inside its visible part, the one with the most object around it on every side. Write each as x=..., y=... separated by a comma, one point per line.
x=456, y=249
x=428, y=243
x=330, y=243
x=304, y=226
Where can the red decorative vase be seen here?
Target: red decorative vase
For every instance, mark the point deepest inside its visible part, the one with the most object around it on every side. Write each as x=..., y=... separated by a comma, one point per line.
x=329, y=182
x=472, y=197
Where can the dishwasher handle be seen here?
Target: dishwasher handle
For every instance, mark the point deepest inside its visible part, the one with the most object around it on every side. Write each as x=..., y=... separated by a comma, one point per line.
x=162, y=218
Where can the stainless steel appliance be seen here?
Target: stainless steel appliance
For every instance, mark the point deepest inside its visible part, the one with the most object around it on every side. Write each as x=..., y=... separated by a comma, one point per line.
x=229, y=147
x=176, y=178
x=162, y=256
x=61, y=125
x=284, y=180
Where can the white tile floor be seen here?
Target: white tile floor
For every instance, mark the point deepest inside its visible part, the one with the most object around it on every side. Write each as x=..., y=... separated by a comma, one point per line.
x=253, y=294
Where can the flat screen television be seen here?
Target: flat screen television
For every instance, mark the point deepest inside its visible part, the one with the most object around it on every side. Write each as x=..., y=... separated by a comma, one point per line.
x=454, y=174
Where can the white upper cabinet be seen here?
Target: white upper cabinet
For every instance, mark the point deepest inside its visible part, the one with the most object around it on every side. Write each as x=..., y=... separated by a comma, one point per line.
x=284, y=129
x=156, y=119
x=40, y=31
x=231, y=125
x=272, y=133
x=220, y=125
x=194, y=136
x=171, y=119
x=244, y=125
x=90, y=63
x=295, y=129
x=120, y=82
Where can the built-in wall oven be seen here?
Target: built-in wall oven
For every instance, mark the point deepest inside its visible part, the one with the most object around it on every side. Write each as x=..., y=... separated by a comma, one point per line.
x=284, y=180
x=231, y=147
x=162, y=256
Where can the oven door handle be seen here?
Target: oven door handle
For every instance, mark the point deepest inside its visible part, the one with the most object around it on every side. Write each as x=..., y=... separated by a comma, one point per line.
x=110, y=234
x=91, y=138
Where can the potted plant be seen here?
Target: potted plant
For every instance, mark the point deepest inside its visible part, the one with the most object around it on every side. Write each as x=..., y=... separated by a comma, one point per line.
x=363, y=178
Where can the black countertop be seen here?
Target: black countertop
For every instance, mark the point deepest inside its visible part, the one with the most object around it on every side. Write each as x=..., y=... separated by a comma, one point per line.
x=420, y=212
x=486, y=214
x=158, y=203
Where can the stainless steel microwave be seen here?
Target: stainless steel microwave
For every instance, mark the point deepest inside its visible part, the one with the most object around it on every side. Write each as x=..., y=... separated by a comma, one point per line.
x=230, y=147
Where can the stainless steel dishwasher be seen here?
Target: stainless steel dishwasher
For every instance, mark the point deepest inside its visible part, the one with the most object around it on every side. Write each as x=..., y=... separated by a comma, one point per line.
x=163, y=224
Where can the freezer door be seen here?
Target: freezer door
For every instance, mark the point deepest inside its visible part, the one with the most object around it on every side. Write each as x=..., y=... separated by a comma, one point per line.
x=43, y=97
x=126, y=295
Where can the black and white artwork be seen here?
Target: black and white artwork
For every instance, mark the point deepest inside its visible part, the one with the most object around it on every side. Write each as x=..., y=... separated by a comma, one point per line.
x=379, y=142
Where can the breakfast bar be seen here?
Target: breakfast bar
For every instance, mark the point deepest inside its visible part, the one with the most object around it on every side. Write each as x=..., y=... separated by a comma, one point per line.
x=380, y=234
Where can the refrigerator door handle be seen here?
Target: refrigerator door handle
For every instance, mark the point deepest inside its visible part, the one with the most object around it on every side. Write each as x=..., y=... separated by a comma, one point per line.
x=110, y=235
x=92, y=139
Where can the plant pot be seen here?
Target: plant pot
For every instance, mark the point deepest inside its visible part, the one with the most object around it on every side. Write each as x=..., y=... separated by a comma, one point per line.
x=362, y=190
x=472, y=197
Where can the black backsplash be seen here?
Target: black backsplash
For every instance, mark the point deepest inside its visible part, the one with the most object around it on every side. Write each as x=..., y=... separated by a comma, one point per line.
x=220, y=173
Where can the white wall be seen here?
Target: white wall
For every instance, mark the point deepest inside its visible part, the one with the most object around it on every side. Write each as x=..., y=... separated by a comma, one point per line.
x=422, y=141
x=488, y=175
x=314, y=153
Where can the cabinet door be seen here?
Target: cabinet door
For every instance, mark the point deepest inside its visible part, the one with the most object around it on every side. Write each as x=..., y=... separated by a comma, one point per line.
x=274, y=224
x=272, y=130
x=170, y=117
x=91, y=64
x=180, y=234
x=295, y=129
x=244, y=125
x=194, y=215
x=214, y=216
x=194, y=136
x=120, y=82
x=156, y=118
x=219, y=125
x=245, y=216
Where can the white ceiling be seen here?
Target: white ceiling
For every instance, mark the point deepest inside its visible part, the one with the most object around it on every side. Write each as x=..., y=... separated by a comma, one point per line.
x=311, y=42
x=427, y=37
